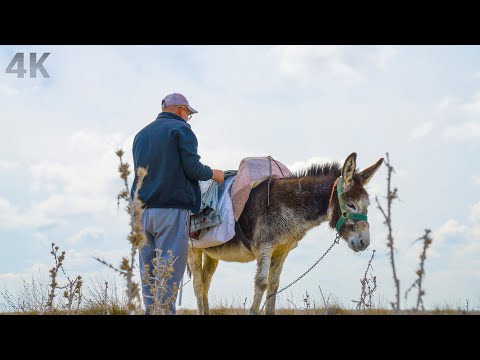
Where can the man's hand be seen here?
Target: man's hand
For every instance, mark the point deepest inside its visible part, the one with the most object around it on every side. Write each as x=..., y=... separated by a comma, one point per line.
x=218, y=175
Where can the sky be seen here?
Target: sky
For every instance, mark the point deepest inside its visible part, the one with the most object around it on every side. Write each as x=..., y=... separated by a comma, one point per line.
x=299, y=104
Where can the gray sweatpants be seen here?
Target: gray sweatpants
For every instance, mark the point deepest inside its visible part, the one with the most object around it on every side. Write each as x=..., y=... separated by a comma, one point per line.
x=165, y=229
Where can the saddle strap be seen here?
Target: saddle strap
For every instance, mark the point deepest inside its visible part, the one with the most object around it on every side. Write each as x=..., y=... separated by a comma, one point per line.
x=241, y=235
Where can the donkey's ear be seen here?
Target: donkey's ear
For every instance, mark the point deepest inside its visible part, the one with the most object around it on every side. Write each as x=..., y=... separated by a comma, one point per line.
x=349, y=170
x=366, y=174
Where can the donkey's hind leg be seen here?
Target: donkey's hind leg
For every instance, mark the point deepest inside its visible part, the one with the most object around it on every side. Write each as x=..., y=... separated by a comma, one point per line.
x=195, y=265
x=261, y=278
x=209, y=267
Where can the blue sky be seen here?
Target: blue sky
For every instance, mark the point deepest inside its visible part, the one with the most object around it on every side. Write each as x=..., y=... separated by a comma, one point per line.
x=299, y=104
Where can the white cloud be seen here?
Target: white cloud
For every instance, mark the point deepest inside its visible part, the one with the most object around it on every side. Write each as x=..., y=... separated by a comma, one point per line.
x=34, y=271
x=83, y=185
x=469, y=251
x=11, y=217
x=474, y=104
x=8, y=165
x=351, y=63
x=471, y=106
x=80, y=186
x=463, y=234
x=65, y=205
x=475, y=213
x=466, y=117
x=298, y=60
x=301, y=165
x=6, y=90
x=92, y=233
x=93, y=162
x=43, y=239
x=450, y=228
x=226, y=160
x=449, y=102
x=346, y=71
x=476, y=179
x=385, y=54
x=469, y=130
x=421, y=130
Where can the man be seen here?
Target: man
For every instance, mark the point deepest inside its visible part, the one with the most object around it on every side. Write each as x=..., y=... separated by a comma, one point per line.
x=167, y=147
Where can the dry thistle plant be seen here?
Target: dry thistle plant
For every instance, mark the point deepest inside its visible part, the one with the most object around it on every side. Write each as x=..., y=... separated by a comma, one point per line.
x=53, y=276
x=427, y=240
x=157, y=280
x=391, y=195
x=368, y=288
x=72, y=290
x=136, y=237
x=72, y=293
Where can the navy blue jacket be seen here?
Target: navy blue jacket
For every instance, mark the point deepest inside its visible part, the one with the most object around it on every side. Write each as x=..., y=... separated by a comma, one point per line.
x=167, y=147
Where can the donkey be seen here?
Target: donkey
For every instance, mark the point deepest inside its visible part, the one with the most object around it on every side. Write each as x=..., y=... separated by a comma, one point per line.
x=297, y=204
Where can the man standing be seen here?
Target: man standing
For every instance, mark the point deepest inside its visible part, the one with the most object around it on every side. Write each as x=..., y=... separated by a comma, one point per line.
x=167, y=148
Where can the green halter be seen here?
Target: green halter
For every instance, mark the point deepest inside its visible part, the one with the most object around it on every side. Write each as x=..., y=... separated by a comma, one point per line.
x=345, y=214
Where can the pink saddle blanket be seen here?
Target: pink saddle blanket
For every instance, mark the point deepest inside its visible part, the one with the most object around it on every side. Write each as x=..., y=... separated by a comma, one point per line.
x=251, y=172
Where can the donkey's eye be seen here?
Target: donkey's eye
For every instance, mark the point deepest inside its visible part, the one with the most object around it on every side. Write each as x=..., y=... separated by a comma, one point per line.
x=351, y=206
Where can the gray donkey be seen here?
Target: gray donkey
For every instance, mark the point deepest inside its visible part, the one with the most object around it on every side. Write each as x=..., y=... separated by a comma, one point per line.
x=297, y=204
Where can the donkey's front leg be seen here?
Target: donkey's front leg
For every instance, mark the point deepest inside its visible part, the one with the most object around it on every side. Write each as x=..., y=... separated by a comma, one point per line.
x=274, y=281
x=261, y=277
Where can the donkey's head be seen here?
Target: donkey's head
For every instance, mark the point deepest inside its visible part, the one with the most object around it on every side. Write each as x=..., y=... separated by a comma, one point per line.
x=349, y=207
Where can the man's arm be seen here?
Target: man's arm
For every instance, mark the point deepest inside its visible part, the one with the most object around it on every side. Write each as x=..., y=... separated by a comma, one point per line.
x=192, y=166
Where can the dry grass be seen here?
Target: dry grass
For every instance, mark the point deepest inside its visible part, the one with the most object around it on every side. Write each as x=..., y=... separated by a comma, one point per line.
x=334, y=310
x=38, y=297
x=103, y=300
x=101, y=297
x=239, y=311
x=31, y=298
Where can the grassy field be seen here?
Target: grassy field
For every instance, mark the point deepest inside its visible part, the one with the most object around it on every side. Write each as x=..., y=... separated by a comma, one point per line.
x=107, y=296
x=239, y=311
x=219, y=309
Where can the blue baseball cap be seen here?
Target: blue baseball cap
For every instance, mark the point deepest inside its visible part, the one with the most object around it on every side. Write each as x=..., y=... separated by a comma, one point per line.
x=177, y=99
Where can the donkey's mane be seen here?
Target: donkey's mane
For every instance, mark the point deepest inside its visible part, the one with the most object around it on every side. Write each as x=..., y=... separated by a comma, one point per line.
x=327, y=169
